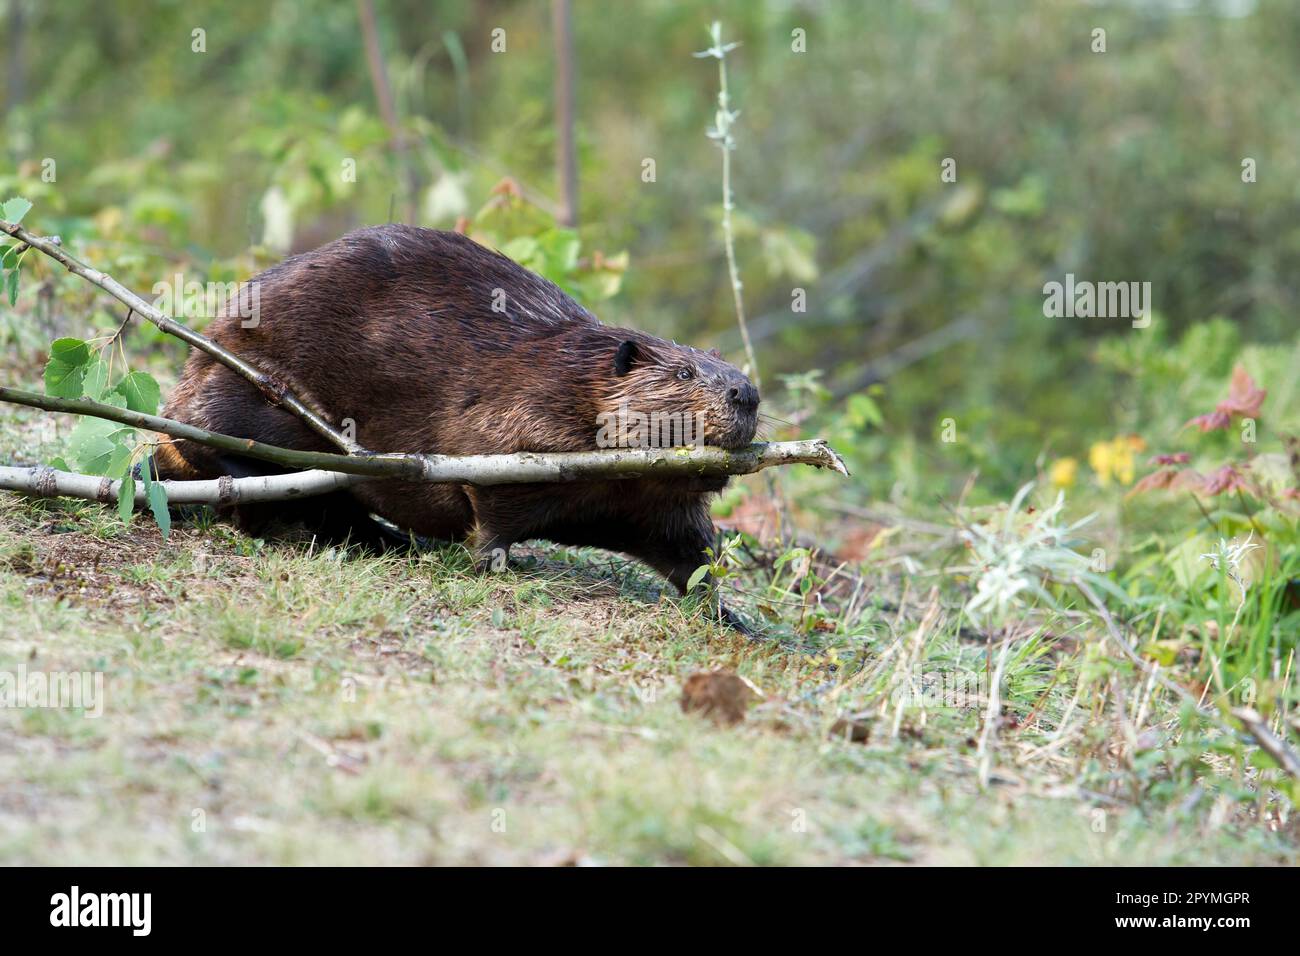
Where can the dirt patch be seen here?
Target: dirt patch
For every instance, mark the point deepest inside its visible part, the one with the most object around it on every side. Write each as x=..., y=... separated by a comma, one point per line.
x=88, y=571
x=389, y=647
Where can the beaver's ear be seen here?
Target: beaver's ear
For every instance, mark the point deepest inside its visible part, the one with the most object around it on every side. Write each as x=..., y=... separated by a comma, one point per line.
x=715, y=353
x=624, y=357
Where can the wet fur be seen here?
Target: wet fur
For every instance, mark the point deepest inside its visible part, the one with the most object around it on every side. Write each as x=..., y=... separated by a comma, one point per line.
x=392, y=327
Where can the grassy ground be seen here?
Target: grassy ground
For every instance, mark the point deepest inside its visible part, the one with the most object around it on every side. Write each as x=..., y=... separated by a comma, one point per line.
x=272, y=702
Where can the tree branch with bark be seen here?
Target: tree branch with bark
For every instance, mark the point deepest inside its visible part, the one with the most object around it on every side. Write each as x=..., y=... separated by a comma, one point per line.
x=521, y=467
x=275, y=391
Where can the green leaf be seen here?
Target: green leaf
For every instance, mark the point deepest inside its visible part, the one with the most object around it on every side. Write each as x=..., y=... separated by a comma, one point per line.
x=96, y=378
x=1103, y=583
x=119, y=463
x=140, y=391
x=790, y=252
x=11, y=286
x=1263, y=760
x=863, y=412
x=99, y=447
x=92, y=452
x=561, y=248
x=10, y=258
x=66, y=369
x=15, y=209
x=126, y=499
x=158, y=505
x=523, y=249
x=700, y=573
x=156, y=495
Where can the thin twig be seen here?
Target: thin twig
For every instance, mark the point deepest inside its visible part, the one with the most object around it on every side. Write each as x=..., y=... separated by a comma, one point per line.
x=1248, y=718
x=992, y=715
x=398, y=140
x=1113, y=630
x=566, y=155
x=286, y=457
x=1274, y=746
x=275, y=392
x=727, y=144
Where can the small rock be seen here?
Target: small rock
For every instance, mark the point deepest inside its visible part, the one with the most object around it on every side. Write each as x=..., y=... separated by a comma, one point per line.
x=853, y=730
x=722, y=696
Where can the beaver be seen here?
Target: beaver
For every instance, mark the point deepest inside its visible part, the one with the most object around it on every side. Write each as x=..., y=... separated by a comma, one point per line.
x=426, y=341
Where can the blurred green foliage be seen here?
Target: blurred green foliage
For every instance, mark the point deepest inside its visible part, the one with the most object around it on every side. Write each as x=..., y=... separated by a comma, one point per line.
x=924, y=296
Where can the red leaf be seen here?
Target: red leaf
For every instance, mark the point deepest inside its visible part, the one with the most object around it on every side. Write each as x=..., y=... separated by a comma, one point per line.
x=1213, y=421
x=1188, y=479
x=1226, y=478
x=1244, y=396
x=1162, y=478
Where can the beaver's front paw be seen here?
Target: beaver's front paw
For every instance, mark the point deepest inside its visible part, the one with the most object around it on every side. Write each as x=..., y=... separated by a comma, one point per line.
x=494, y=556
x=731, y=619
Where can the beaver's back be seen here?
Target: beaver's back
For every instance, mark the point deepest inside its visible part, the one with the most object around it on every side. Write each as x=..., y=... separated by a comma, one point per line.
x=424, y=339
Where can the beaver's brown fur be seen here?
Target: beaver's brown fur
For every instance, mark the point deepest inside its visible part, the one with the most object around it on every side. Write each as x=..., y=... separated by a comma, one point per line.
x=393, y=328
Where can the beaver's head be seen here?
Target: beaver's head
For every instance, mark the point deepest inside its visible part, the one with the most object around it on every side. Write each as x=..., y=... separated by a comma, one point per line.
x=665, y=394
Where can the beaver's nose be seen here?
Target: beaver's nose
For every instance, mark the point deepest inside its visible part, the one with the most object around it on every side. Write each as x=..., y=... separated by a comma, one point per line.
x=744, y=396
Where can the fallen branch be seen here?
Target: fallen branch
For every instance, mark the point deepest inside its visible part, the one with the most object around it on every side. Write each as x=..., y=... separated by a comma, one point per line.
x=473, y=469
x=1249, y=719
x=1131, y=653
x=50, y=483
x=1269, y=742
x=372, y=465
x=521, y=467
x=276, y=392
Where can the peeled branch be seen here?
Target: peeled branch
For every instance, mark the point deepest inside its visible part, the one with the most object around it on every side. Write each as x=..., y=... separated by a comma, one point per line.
x=51, y=483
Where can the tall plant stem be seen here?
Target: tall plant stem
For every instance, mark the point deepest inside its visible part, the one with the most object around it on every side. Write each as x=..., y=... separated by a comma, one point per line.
x=728, y=233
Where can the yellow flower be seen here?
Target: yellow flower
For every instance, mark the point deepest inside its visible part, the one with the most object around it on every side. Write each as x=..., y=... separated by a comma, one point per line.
x=1063, y=472
x=1113, y=460
x=108, y=221
x=1101, y=458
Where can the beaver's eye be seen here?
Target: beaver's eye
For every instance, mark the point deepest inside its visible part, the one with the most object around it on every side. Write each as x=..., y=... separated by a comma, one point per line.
x=685, y=373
